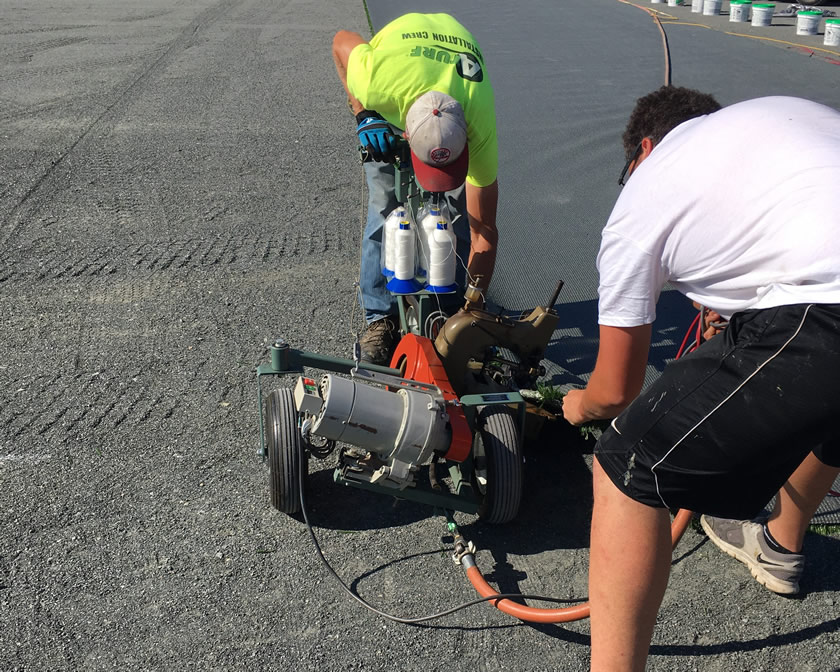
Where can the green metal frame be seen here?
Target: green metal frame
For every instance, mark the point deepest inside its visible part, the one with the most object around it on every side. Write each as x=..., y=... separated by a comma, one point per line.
x=463, y=499
x=427, y=304
x=406, y=189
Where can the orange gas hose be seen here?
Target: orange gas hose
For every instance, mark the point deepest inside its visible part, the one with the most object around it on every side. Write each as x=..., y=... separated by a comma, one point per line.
x=567, y=614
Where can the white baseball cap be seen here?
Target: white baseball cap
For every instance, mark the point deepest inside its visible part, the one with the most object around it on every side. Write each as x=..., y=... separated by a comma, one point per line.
x=437, y=133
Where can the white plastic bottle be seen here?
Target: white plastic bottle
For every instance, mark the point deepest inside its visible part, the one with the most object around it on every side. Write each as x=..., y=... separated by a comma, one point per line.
x=387, y=255
x=442, y=258
x=405, y=260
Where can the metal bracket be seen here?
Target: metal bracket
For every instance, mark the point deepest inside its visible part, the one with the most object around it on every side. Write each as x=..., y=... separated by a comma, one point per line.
x=387, y=380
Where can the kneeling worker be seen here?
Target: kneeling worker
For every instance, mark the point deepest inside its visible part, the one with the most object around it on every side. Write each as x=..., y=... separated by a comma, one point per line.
x=752, y=411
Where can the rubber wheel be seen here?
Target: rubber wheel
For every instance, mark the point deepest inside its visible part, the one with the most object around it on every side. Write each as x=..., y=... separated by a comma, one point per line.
x=497, y=457
x=282, y=438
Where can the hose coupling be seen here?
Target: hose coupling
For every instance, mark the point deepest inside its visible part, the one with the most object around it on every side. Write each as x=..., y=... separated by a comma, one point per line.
x=463, y=548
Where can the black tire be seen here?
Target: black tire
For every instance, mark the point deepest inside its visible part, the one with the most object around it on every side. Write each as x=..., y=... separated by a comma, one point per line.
x=811, y=2
x=497, y=456
x=282, y=438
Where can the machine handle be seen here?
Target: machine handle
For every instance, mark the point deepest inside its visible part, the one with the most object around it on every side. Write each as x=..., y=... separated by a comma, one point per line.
x=554, y=296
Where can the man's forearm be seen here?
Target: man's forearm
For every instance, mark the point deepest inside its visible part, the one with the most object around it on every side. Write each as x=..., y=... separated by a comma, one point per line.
x=619, y=371
x=343, y=43
x=601, y=404
x=618, y=376
x=482, y=259
x=482, y=203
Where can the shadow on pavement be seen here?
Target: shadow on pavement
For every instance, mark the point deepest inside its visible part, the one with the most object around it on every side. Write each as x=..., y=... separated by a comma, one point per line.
x=785, y=639
x=575, y=354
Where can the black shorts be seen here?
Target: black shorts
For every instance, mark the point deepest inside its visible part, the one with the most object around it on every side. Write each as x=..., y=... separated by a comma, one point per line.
x=724, y=427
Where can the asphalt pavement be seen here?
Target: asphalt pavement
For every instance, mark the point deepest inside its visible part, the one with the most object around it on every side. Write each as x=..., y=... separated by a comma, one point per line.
x=178, y=187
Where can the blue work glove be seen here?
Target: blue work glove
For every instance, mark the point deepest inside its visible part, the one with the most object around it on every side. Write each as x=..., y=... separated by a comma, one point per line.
x=375, y=136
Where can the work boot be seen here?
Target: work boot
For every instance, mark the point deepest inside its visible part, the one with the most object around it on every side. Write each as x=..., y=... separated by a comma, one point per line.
x=379, y=340
x=745, y=541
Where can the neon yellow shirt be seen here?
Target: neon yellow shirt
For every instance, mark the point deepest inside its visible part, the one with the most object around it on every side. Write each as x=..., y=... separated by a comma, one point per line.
x=417, y=53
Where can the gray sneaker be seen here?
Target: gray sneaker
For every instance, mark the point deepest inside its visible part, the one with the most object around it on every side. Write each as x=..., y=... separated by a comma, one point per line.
x=379, y=340
x=744, y=540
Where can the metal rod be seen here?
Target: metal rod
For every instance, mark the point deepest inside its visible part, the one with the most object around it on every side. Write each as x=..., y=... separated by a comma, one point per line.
x=554, y=296
x=289, y=360
x=335, y=364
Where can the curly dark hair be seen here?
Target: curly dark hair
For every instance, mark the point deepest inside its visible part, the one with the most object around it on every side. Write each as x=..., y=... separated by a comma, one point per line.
x=659, y=112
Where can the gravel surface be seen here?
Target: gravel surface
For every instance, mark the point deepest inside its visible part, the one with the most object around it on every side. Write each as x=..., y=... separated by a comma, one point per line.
x=178, y=186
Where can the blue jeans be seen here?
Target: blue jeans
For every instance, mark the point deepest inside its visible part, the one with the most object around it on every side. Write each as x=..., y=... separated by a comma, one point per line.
x=377, y=301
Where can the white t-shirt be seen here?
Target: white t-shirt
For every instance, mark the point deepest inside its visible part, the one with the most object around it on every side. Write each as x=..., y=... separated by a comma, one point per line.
x=738, y=209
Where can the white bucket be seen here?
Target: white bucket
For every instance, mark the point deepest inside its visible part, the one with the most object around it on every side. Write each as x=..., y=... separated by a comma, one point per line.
x=807, y=22
x=711, y=7
x=696, y=6
x=674, y=3
x=762, y=15
x=658, y=2
x=832, y=33
x=739, y=12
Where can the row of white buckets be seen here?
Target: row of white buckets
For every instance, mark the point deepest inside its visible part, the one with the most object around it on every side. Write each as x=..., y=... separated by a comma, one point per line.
x=761, y=14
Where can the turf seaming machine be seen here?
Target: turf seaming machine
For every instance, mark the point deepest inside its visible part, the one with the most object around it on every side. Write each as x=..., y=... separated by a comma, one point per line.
x=449, y=404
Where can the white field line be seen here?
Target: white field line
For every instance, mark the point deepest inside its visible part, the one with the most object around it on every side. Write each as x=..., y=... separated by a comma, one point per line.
x=15, y=458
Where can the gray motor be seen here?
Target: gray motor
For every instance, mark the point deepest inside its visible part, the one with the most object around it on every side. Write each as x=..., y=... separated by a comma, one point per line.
x=403, y=422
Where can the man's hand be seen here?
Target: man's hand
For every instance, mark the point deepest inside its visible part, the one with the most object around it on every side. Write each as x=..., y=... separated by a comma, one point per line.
x=573, y=407
x=376, y=136
x=713, y=324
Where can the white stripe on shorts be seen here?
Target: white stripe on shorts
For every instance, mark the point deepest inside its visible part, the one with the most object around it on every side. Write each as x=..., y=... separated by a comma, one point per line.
x=728, y=397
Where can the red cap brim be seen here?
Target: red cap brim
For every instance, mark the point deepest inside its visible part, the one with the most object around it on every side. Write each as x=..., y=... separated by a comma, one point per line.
x=441, y=178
